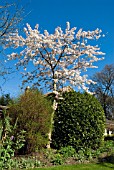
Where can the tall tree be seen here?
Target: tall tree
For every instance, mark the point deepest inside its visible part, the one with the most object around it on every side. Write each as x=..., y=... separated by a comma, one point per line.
x=58, y=59
x=104, y=89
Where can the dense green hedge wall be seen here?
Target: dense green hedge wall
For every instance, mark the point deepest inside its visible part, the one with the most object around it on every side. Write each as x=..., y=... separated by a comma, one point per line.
x=78, y=122
x=33, y=112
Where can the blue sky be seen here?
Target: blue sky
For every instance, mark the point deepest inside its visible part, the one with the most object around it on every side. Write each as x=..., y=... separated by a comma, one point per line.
x=86, y=14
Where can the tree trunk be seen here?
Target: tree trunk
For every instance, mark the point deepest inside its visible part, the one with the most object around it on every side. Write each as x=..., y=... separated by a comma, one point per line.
x=52, y=117
x=51, y=126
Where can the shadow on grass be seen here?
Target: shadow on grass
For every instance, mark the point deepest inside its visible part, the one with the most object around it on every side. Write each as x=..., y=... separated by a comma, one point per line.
x=107, y=161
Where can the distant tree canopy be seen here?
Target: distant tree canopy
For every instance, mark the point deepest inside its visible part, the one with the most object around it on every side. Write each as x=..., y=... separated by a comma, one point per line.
x=104, y=89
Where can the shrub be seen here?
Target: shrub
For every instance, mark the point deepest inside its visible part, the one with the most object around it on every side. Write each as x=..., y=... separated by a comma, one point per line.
x=33, y=112
x=5, y=99
x=78, y=122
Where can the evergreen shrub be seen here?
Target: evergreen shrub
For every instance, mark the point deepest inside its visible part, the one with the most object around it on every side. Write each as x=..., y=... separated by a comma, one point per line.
x=5, y=99
x=33, y=112
x=78, y=122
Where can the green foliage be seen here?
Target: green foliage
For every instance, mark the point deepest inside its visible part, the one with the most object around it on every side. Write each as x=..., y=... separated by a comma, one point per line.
x=57, y=159
x=54, y=157
x=108, y=147
x=21, y=163
x=87, y=154
x=33, y=112
x=67, y=152
x=25, y=163
x=5, y=99
x=62, y=156
x=9, y=143
x=78, y=122
x=80, y=155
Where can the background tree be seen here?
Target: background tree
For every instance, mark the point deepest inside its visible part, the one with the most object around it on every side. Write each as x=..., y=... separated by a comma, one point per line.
x=58, y=59
x=104, y=89
x=11, y=14
x=10, y=17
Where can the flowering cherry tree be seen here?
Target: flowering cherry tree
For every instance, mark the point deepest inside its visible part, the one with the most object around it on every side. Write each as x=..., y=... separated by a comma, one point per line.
x=59, y=59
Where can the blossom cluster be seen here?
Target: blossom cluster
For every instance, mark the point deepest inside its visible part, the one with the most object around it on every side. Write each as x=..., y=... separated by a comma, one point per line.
x=58, y=58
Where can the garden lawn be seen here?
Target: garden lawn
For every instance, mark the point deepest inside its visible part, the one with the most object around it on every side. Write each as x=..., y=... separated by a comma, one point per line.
x=99, y=166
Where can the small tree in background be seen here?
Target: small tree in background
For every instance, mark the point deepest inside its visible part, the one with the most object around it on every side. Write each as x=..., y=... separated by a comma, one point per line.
x=78, y=122
x=33, y=113
x=58, y=59
x=104, y=89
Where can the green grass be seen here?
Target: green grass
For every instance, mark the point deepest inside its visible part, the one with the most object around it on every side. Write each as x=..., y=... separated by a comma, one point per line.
x=100, y=166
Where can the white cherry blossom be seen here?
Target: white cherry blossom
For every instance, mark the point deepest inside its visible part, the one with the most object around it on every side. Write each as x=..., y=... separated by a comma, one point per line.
x=58, y=58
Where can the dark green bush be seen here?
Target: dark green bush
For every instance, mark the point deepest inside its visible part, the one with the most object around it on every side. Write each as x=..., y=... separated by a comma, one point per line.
x=5, y=99
x=78, y=122
x=33, y=112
